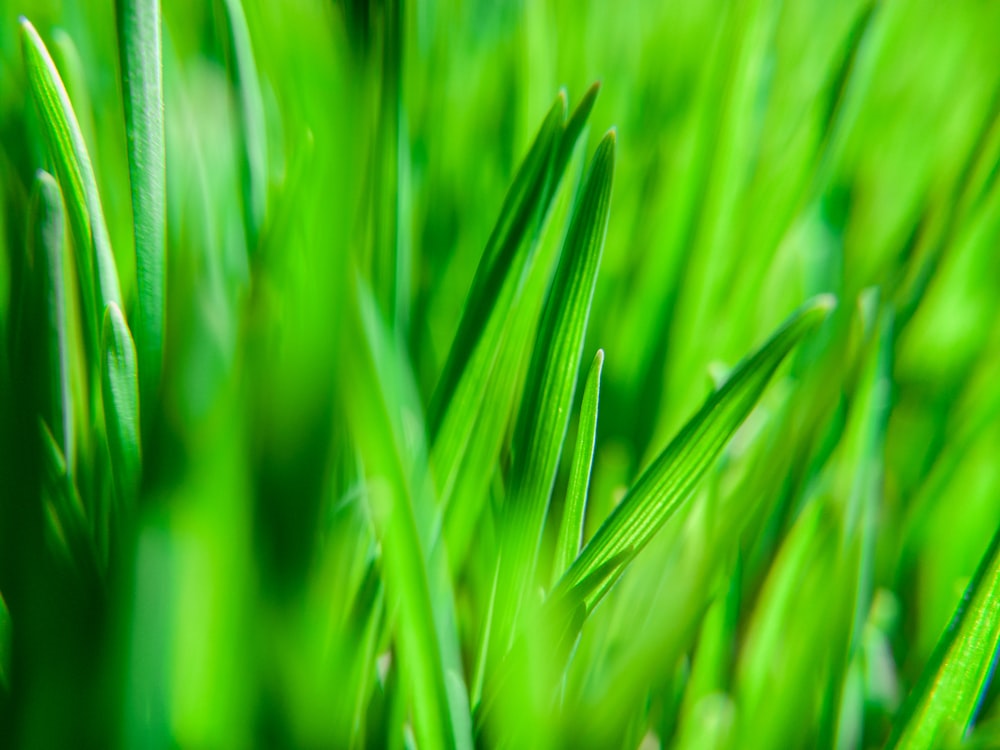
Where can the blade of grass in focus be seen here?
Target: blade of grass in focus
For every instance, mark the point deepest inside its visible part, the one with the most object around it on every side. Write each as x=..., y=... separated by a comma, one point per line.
x=141, y=51
x=5, y=644
x=95, y=261
x=945, y=700
x=496, y=289
x=571, y=527
x=545, y=408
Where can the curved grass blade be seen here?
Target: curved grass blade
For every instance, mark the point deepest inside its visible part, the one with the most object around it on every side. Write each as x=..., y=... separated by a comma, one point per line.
x=141, y=50
x=672, y=477
x=47, y=222
x=120, y=386
x=571, y=529
x=946, y=698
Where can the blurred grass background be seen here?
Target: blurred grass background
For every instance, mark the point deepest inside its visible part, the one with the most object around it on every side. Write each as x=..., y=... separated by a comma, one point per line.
x=768, y=150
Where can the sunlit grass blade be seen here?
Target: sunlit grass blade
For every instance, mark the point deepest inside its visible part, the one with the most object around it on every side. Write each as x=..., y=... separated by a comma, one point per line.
x=946, y=698
x=141, y=50
x=95, y=261
x=571, y=528
x=120, y=387
x=673, y=475
x=47, y=222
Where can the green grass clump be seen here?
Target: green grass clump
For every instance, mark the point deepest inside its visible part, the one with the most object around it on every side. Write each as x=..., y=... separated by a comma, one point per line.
x=372, y=377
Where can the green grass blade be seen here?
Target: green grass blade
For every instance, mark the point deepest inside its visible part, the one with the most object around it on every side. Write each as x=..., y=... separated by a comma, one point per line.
x=141, y=49
x=48, y=224
x=519, y=208
x=946, y=698
x=571, y=529
x=120, y=387
x=671, y=478
x=544, y=414
x=507, y=262
x=95, y=261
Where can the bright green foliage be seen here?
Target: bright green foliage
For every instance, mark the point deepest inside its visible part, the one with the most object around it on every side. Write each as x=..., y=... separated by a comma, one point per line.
x=299, y=446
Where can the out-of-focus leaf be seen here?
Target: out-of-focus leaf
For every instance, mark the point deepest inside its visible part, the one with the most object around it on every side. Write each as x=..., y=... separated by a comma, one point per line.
x=141, y=49
x=945, y=700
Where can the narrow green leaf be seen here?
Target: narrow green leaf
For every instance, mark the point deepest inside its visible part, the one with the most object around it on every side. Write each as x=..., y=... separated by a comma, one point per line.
x=672, y=477
x=945, y=700
x=141, y=50
x=520, y=206
x=571, y=530
x=48, y=225
x=120, y=387
x=95, y=260
x=506, y=266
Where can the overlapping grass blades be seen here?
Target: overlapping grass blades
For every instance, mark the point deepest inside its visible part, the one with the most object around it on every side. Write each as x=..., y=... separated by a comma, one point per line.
x=141, y=50
x=545, y=408
x=504, y=267
x=94, y=257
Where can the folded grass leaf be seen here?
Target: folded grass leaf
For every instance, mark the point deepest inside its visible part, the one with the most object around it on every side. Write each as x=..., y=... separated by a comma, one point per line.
x=947, y=697
x=672, y=476
x=120, y=387
x=141, y=49
x=95, y=261
x=571, y=528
